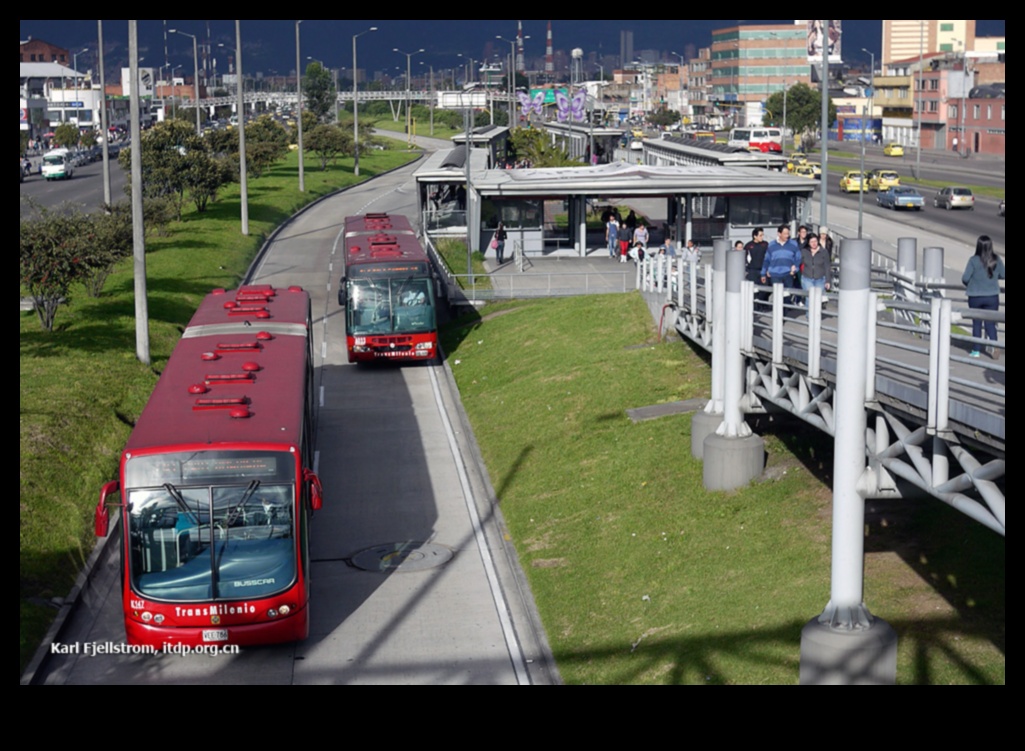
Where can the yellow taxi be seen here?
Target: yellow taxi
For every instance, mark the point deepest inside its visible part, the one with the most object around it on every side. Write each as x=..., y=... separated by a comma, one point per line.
x=853, y=181
x=881, y=179
x=795, y=158
x=817, y=169
x=893, y=149
x=804, y=170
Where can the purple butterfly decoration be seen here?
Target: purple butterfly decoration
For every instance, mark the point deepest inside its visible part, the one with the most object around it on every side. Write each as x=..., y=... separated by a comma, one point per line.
x=571, y=108
x=529, y=105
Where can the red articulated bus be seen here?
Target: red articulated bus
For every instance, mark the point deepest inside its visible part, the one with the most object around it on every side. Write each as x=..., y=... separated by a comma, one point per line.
x=387, y=290
x=216, y=482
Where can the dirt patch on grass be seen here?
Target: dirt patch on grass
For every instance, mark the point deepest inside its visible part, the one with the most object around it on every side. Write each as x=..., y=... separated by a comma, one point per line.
x=549, y=563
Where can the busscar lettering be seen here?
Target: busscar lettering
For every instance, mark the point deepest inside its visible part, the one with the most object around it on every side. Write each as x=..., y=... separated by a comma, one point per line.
x=253, y=582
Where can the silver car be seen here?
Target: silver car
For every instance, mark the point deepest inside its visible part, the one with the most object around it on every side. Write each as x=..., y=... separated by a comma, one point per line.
x=954, y=198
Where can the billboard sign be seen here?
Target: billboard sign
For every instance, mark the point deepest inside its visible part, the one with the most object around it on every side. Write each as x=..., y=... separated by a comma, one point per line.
x=819, y=37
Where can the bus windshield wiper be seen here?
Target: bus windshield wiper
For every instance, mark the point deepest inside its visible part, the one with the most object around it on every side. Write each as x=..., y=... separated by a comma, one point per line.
x=180, y=500
x=237, y=509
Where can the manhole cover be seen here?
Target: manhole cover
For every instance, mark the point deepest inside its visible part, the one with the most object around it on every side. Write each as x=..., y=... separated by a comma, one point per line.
x=402, y=556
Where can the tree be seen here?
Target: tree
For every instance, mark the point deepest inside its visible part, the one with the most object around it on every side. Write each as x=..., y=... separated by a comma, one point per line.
x=319, y=92
x=66, y=135
x=664, y=117
x=110, y=240
x=52, y=259
x=176, y=160
x=328, y=142
x=803, y=109
x=310, y=122
x=483, y=118
x=532, y=145
x=266, y=143
x=204, y=174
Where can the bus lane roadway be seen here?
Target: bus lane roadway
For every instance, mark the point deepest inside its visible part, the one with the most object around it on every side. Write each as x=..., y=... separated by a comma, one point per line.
x=414, y=580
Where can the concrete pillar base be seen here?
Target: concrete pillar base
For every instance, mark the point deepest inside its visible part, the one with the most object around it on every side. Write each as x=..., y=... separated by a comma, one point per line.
x=732, y=462
x=863, y=656
x=702, y=424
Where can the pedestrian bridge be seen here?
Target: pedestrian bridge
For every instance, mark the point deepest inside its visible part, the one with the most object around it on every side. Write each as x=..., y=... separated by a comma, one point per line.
x=936, y=417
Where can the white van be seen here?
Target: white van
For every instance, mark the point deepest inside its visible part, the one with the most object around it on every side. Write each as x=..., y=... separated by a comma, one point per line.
x=757, y=138
x=57, y=164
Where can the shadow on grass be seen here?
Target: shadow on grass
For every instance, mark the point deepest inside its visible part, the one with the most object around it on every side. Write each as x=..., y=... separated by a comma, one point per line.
x=961, y=560
x=700, y=659
x=454, y=326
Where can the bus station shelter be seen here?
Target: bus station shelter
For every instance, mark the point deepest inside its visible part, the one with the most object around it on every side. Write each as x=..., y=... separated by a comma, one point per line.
x=548, y=208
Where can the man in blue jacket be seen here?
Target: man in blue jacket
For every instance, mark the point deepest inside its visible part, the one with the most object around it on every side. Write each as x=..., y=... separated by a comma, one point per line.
x=782, y=259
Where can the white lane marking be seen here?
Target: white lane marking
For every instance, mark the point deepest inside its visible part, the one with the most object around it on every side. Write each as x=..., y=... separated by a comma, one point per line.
x=515, y=653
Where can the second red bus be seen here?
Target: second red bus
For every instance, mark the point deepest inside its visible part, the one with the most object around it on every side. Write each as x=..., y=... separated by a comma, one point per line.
x=387, y=290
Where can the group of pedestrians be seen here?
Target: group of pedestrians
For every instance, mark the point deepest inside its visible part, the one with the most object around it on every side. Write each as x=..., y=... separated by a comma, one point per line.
x=625, y=238
x=805, y=260
x=809, y=258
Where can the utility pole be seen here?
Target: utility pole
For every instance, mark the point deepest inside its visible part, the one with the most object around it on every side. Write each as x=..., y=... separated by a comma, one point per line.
x=138, y=238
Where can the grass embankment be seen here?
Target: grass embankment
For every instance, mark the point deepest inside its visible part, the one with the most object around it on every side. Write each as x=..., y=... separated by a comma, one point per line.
x=82, y=386
x=453, y=253
x=641, y=575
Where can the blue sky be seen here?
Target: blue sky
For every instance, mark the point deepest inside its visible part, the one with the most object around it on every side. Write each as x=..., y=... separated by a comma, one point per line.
x=270, y=45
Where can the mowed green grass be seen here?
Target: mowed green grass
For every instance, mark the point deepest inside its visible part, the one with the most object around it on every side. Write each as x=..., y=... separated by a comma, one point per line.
x=82, y=386
x=640, y=574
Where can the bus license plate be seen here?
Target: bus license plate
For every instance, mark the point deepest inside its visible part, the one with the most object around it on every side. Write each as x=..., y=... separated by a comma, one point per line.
x=215, y=634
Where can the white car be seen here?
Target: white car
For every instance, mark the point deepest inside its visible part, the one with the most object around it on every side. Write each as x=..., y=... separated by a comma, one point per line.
x=57, y=165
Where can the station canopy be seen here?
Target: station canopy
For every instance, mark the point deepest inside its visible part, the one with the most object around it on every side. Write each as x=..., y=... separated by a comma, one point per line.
x=622, y=179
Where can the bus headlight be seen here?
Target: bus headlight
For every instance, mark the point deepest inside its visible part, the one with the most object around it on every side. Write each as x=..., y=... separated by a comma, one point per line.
x=158, y=618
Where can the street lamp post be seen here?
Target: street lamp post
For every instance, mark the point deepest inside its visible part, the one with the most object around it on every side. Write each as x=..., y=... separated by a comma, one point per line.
x=243, y=185
x=786, y=58
x=512, y=74
x=409, y=122
x=871, y=87
x=74, y=64
x=299, y=107
x=174, y=93
x=468, y=77
x=195, y=79
x=355, y=100
x=962, y=149
x=824, y=127
x=104, y=127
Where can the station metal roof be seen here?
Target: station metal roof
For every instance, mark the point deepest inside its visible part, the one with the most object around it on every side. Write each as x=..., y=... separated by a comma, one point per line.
x=624, y=179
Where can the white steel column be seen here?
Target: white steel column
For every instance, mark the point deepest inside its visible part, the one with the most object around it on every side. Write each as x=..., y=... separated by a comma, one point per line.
x=707, y=421
x=846, y=643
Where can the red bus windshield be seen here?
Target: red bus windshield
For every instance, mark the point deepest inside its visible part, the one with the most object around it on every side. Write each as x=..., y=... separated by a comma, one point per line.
x=220, y=525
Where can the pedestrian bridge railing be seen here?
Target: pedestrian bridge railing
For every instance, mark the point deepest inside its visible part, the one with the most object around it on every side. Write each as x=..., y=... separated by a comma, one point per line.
x=936, y=406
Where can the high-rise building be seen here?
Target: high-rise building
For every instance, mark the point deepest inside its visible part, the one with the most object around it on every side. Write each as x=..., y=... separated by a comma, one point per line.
x=549, y=56
x=626, y=48
x=902, y=40
x=747, y=65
